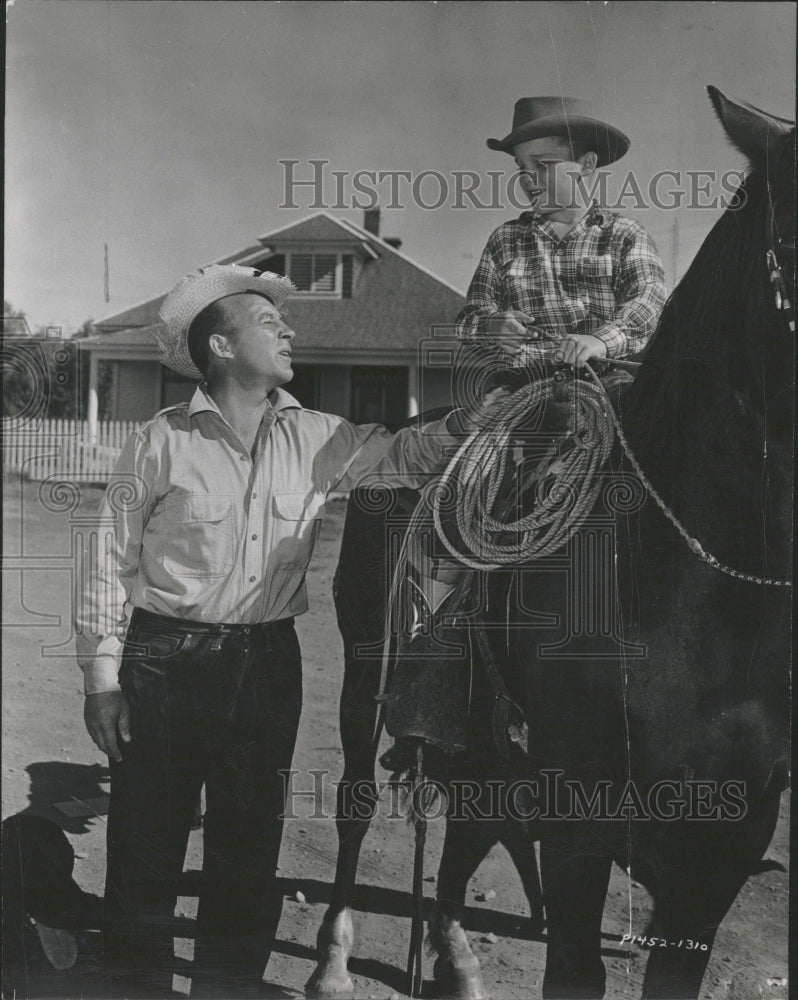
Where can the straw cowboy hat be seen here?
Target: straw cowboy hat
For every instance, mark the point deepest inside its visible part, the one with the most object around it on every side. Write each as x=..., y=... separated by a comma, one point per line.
x=200, y=289
x=537, y=117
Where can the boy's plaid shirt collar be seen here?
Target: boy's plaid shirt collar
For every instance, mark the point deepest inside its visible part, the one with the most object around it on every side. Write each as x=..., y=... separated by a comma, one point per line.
x=593, y=217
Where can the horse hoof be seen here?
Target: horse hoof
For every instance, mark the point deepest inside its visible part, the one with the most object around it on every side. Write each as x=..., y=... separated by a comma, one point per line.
x=453, y=983
x=327, y=984
x=331, y=979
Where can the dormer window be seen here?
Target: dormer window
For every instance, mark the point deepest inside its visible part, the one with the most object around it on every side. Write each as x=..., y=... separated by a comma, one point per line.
x=327, y=275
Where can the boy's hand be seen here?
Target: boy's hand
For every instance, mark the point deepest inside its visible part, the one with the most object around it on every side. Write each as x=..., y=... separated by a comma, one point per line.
x=510, y=330
x=107, y=716
x=579, y=348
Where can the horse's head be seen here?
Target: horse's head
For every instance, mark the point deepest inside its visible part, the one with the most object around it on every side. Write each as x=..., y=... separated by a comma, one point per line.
x=769, y=144
x=724, y=334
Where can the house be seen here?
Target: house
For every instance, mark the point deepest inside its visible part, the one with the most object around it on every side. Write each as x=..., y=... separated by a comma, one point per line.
x=374, y=329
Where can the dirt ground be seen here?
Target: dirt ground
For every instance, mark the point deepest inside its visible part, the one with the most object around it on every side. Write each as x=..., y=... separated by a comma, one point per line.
x=48, y=759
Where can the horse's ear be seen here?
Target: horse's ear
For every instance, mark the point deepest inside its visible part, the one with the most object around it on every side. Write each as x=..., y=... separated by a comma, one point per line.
x=752, y=131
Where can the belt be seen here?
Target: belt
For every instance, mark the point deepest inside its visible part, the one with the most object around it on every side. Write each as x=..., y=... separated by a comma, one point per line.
x=141, y=617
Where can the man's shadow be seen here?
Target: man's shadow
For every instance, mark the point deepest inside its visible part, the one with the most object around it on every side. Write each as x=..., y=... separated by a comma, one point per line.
x=71, y=795
x=37, y=879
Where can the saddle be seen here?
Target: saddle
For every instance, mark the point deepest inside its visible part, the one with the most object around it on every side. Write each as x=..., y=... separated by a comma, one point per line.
x=430, y=695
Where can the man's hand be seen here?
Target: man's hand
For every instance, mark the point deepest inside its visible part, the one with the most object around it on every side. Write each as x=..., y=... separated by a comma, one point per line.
x=107, y=717
x=579, y=348
x=510, y=330
x=478, y=414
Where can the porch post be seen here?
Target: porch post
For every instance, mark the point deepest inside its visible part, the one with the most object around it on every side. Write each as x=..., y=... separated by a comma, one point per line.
x=412, y=389
x=94, y=407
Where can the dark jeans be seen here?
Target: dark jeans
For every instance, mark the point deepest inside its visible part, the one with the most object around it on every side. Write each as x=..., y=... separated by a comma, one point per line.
x=217, y=704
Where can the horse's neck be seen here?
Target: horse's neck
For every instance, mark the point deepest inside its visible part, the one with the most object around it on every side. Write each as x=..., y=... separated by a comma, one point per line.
x=726, y=477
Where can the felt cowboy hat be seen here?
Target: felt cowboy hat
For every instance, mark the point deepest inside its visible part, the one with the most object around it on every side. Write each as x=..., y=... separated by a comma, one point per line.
x=201, y=288
x=537, y=117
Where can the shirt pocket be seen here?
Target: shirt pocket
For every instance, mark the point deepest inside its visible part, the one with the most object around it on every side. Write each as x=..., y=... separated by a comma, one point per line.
x=297, y=522
x=595, y=280
x=199, y=537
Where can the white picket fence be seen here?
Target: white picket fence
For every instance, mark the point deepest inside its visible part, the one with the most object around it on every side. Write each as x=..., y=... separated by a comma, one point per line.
x=45, y=448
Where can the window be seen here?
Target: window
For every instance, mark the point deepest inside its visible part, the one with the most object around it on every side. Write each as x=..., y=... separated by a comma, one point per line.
x=379, y=394
x=316, y=273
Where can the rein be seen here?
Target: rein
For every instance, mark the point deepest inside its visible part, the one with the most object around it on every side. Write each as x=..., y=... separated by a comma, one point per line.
x=692, y=543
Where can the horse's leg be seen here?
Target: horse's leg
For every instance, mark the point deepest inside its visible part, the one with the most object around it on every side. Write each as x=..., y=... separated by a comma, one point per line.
x=692, y=902
x=517, y=837
x=575, y=880
x=356, y=805
x=457, y=973
x=687, y=918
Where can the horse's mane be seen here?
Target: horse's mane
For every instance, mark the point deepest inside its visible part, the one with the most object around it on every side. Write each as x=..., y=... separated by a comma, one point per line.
x=708, y=343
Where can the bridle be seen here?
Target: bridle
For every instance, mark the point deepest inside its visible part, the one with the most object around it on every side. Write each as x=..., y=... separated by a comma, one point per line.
x=780, y=290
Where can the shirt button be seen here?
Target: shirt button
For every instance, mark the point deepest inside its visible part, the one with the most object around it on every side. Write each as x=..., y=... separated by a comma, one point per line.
x=252, y=579
x=243, y=458
x=254, y=496
x=254, y=538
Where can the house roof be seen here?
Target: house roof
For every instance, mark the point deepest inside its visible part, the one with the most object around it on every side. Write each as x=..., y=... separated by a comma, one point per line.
x=394, y=305
x=319, y=228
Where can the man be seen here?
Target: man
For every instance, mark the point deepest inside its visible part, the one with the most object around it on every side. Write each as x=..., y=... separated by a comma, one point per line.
x=210, y=559
x=564, y=271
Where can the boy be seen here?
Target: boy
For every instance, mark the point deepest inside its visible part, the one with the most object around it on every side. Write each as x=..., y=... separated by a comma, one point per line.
x=565, y=270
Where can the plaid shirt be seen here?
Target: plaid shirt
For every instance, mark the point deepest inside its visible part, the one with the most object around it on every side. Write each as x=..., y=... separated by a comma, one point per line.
x=604, y=278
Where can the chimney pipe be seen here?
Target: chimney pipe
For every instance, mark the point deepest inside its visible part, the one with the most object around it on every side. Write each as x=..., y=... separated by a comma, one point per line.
x=371, y=221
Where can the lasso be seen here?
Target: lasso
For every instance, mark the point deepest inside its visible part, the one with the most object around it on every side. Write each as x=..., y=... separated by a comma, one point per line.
x=565, y=481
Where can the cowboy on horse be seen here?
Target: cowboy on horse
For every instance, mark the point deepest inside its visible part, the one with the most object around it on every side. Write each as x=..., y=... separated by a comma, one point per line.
x=565, y=281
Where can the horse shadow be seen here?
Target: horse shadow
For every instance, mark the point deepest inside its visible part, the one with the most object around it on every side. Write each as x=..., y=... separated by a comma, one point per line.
x=395, y=903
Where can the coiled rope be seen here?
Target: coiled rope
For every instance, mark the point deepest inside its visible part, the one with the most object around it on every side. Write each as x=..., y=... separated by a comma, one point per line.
x=566, y=484
x=565, y=480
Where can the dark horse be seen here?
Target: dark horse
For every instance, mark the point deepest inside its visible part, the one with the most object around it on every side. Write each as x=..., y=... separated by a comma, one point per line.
x=658, y=705
x=376, y=521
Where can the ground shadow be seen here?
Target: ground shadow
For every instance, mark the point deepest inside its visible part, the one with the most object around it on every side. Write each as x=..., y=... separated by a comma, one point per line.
x=71, y=795
x=397, y=903
x=55, y=784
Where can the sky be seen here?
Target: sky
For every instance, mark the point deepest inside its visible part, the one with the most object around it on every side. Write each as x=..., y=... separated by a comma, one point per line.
x=157, y=127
